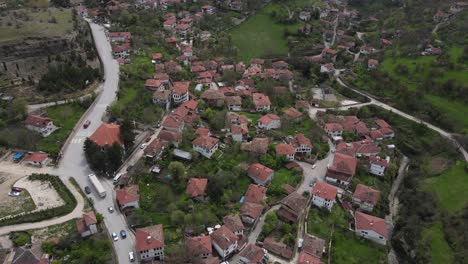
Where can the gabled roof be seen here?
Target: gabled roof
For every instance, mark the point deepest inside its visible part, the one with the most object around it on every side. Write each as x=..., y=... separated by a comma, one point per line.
x=173, y=121
x=127, y=195
x=212, y=94
x=169, y=136
x=153, y=83
x=260, y=99
x=199, y=245
x=295, y=202
x=368, y=222
x=251, y=210
x=37, y=121
x=305, y=258
x=233, y=100
x=378, y=161
x=324, y=191
x=381, y=123
x=253, y=253
x=268, y=118
x=234, y=223
x=366, y=194
x=257, y=145
x=37, y=157
x=333, y=127
x=292, y=112
x=344, y=164
x=196, y=187
x=202, y=131
x=313, y=245
x=155, y=147
x=300, y=140
x=181, y=88
x=223, y=237
x=149, y=238
x=206, y=142
x=260, y=172
x=284, y=149
x=106, y=134
x=255, y=194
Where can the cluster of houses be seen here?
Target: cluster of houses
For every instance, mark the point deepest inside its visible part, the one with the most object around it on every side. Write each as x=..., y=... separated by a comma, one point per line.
x=121, y=46
x=342, y=168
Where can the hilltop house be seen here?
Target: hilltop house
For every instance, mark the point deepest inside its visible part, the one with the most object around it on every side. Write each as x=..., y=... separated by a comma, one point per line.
x=37, y=159
x=365, y=197
x=341, y=170
x=234, y=223
x=128, y=198
x=224, y=241
x=301, y=144
x=180, y=92
x=260, y=174
x=292, y=207
x=196, y=188
x=205, y=145
x=370, y=227
x=87, y=225
x=261, y=102
x=252, y=254
x=285, y=150
x=40, y=124
x=377, y=165
x=198, y=247
x=107, y=134
x=250, y=212
x=323, y=195
x=269, y=121
x=150, y=243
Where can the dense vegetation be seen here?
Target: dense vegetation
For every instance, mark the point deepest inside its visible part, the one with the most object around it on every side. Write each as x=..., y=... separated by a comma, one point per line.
x=103, y=160
x=67, y=78
x=60, y=188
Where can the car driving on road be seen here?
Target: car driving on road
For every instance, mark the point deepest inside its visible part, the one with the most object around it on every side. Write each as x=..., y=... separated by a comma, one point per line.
x=87, y=190
x=86, y=124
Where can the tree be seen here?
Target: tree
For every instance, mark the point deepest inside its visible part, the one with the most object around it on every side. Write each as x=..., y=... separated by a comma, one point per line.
x=99, y=218
x=16, y=110
x=271, y=221
x=177, y=218
x=95, y=156
x=127, y=134
x=177, y=170
x=114, y=156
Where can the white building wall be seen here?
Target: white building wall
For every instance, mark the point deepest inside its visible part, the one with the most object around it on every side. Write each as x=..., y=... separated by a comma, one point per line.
x=320, y=202
x=372, y=235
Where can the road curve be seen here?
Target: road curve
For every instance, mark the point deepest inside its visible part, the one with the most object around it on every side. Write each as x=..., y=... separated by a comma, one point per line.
x=76, y=213
x=410, y=117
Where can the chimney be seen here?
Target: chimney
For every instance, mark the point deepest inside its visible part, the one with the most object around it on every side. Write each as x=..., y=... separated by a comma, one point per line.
x=148, y=239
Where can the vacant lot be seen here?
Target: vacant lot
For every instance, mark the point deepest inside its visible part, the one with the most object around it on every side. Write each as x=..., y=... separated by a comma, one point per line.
x=65, y=117
x=440, y=249
x=23, y=23
x=260, y=35
x=451, y=187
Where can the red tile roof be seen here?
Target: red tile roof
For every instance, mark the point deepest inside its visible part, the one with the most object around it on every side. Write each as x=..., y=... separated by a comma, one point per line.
x=324, y=191
x=313, y=245
x=257, y=146
x=37, y=121
x=106, y=134
x=305, y=258
x=251, y=210
x=199, y=245
x=292, y=112
x=253, y=253
x=366, y=194
x=378, y=161
x=233, y=100
x=260, y=99
x=368, y=222
x=196, y=187
x=181, y=88
x=259, y=171
x=212, y=94
x=381, y=123
x=300, y=139
x=127, y=195
x=255, y=194
x=344, y=164
x=333, y=127
x=205, y=142
x=223, y=237
x=202, y=131
x=155, y=147
x=169, y=136
x=284, y=149
x=37, y=157
x=268, y=118
x=156, y=56
x=173, y=121
x=376, y=134
x=149, y=238
x=89, y=218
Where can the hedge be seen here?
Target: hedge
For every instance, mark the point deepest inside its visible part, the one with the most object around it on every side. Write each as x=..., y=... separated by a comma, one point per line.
x=60, y=188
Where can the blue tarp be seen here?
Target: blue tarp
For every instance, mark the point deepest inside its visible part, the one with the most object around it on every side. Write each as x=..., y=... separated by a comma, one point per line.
x=18, y=155
x=242, y=199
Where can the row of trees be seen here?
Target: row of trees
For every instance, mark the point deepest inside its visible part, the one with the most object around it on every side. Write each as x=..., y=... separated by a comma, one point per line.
x=67, y=78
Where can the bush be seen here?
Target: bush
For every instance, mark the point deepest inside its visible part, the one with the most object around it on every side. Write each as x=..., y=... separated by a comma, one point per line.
x=20, y=238
x=60, y=188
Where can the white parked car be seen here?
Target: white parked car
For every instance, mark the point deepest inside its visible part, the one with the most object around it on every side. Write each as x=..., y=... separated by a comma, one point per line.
x=131, y=257
x=143, y=146
x=115, y=237
x=14, y=194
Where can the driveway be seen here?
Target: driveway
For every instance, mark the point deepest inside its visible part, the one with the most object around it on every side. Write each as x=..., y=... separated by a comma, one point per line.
x=317, y=174
x=73, y=162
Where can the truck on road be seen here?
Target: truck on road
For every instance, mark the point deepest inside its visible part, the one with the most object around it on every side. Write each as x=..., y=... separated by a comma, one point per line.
x=97, y=185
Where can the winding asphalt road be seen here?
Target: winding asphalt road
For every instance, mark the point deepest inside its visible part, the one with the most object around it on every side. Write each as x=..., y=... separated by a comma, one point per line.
x=73, y=162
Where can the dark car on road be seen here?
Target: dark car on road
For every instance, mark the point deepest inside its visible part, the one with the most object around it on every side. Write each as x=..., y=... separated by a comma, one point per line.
x=123, y=234
x=87, y=190
x=86, y=124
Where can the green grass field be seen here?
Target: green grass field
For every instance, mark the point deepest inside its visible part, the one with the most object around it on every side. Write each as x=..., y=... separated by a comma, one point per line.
x=451, y=187
x=284, y=176
x=440, y=249
x=348, y=248
x=64, y=116
x=260, y=35
x=35, y=24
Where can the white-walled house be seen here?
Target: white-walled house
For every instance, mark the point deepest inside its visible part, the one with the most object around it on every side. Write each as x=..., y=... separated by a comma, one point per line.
x=87, y=225
x=205, y=145
x=334, y=129
x=377, y=166
x=370, y=227
x=224, y=241
x=324, y=195
x=40, y=124
x=150, y=243
x=269, y=121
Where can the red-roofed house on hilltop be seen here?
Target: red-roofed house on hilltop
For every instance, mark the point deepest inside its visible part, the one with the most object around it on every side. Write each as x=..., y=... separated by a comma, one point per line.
x=341, y=170
x=253, y=254
x=269, y=121
x=258, y=146
x=37, y=159
x=150, y=243
x=292, y=114
x=196, y=188
x=107, y=134
x=120, y=36
x=224, y=241
x=261, y=102
x=206, y=145
x=377, y=165
x=154, y=85
x=324, y=195
x=365, y=197
x=370, y=227
x=87, y=225
x=313, y=245
x=198, y=247
x=334, y=129
x=285, y=150
x=305, y=258
x=40, y=124
x=260, y=174
x=156, y=149
x=128, y=198
x=250, y=212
